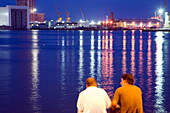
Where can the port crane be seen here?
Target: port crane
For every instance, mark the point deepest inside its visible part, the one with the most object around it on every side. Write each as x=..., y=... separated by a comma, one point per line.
x=165, y=4
x=67, y=14
x=58, y=14
x=82, y=13
x=111, y=15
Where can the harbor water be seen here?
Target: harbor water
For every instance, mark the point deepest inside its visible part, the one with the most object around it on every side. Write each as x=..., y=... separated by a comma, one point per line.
x=44, y=71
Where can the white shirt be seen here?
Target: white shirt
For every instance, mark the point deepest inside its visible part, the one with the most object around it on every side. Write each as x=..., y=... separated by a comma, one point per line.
x=93, y=100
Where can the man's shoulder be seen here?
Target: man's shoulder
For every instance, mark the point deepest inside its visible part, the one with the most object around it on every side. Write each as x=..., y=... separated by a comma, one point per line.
x=101, y=89
x=119, y=88
x=137, y=88
x=82, y=92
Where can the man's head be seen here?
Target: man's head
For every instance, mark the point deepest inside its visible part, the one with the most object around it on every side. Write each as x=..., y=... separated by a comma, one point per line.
x=127, y=79
x=91, y=82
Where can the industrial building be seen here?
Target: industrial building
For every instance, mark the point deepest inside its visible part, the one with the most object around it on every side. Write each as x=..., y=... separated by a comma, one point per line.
x=14, y=17
x=32, y=10
x=133, y=23
x=139, y=23
x=39, y=17
x=167, y=20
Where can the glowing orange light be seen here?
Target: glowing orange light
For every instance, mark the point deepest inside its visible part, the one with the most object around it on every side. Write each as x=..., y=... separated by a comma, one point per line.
x=149, y=24
x=133, y=23
x=141, y=24
x=111, y=22
x=125, y=25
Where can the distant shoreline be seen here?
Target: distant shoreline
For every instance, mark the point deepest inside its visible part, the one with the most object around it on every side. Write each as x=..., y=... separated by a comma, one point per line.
x=93, y=29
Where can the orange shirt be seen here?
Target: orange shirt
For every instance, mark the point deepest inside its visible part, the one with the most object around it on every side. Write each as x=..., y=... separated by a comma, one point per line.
x=130, y=98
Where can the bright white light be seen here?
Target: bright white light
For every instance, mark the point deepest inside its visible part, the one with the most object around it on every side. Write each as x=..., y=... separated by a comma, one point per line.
x=160, y=11
x=99, y=22
x=92, y=22
x=133, y=23
x=34, y=10
x=149, y=24
x=80, y=20
x=141, y=24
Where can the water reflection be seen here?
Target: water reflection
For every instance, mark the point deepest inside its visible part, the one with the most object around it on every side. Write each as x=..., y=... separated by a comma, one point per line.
x=5, y=80
x=104, y=55
x=99, y=61
x=63, y=70
x=159, y=73
x=92, y=56
x=63, y=41
x=35, y=96
x=133, y=54
x=141, y=74
x=107, y=64
x=124, y=53
x=81, y=70
x=149, y=74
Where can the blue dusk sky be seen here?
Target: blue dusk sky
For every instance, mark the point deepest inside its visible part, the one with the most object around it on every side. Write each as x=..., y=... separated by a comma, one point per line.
x=95, y=9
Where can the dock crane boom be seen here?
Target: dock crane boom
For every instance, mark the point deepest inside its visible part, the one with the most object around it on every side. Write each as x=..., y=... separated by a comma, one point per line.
x=58, y=13
x=165, y=2
x=111, y=14
x=82, y=13
x=67, y=14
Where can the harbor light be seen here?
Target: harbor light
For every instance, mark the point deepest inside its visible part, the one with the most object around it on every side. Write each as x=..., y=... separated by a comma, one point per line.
x=80, y=20
x=133, y=24
x=125, y=24
x=141, y=24
x=99, y=22
x=34, y=10
x=92, y=23
x=160, y=11
x=149, y=24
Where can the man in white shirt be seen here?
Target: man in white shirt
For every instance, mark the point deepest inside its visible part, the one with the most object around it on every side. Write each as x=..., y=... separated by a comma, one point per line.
x=93, y=99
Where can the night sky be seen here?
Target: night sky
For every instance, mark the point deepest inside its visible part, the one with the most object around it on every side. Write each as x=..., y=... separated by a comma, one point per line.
x=95, y=9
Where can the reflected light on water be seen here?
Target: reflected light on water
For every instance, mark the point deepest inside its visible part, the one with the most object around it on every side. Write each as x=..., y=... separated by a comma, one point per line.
x=81, y=51
x=124, y=53
x=72, y=40
x=159, y=72
x=35, y=38
x=35, y=96
x=149, y=72
x=92, y=56
x=99, y=41
x=106, y=40
x=67, y=40
x=133, y=54
x=99, y=61
x=63, y=41
x=107, y=67
x=141, y=61
x=63, y=70
x=92, y=40
x=111, y=40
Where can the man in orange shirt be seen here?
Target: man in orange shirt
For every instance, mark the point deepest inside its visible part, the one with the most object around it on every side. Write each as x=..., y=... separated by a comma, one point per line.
x=129, y=96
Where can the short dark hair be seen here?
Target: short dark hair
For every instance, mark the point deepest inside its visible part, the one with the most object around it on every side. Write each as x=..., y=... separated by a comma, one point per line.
x=129, y=78
x=91, y=81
